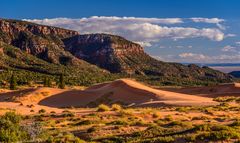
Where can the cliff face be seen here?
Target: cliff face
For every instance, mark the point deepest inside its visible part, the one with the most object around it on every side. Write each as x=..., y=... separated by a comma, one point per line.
x=119, y=55
x=41, y=41
x=14, y=27
x=106, y=51
x=1, y=48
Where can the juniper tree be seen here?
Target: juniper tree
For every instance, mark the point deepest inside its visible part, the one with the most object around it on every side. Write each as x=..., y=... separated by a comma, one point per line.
x=61, y=82
x=47, y=82
x=13, y=83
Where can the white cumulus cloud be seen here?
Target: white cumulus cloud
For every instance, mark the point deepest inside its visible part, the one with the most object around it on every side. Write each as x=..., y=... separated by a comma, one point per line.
x=198, y=57
x=193, y=56
x=143, y=30
x=144, y=44
x=229, y=48
x=216, y=21
x=238, y=43
x=207, y=20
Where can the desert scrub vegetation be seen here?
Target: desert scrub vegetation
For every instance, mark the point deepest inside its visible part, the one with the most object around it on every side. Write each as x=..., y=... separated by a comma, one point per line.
x=64, y=137
x=141, y=125
x=210, y=132
x=156, y=114
x=227, y=99
x=116, y=107
x=203, y=133
x=12, y=130
x=42, y=111
x=103, y=108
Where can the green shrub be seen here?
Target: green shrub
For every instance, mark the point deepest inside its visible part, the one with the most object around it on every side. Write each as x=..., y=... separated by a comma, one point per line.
x=10, y=129
x=138, y=123
x=236, y=123
x=102, y=108
x=217, y=132
x=67, y=114
x=167, y=139
x=118, y=122
x=93, y=129
x=53, y=112
x=219, y=135
x=152, y=132
x=226, y=99
x=12, y=117
x=168, y=118
x=85, y=122
x=65, y=137
x=204, y=127
x=156, y=115
x=116, y=107
x=42, y=111
x=183, y=109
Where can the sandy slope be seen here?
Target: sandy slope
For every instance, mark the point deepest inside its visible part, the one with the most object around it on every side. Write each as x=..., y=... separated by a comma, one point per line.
x=37, y=94
x=124, y=91
x=232, y=89
x=24, y=109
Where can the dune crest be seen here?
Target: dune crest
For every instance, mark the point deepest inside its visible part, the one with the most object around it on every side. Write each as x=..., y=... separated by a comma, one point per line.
x=123, y=91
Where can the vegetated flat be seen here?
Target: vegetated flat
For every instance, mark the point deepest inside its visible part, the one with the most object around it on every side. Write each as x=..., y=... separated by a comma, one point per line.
x=179, y=114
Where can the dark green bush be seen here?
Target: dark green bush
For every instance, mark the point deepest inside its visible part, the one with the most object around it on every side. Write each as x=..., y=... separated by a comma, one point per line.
x=42, y=111
x=10, y=128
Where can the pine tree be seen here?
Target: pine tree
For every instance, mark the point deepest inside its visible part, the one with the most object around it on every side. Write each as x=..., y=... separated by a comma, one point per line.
x=13, y=83
x=61, y=82
x=45, y=82
x=49, y=83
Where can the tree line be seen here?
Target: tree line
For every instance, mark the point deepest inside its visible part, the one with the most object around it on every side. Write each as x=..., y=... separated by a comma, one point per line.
x=46, y=82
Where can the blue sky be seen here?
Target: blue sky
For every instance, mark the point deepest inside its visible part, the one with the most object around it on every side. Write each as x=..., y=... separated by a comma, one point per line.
x=171, y=30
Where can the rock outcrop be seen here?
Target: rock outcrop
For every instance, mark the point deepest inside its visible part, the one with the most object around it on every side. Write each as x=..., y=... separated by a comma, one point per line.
x=14, y=27
x=1, y=47
x=106, y=51
x=39, y=40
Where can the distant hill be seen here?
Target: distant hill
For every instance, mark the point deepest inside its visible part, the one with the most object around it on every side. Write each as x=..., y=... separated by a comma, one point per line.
x=216, y=64
x=118, y=55
x=33, y=51
x=223, y=67
x=235, y=74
